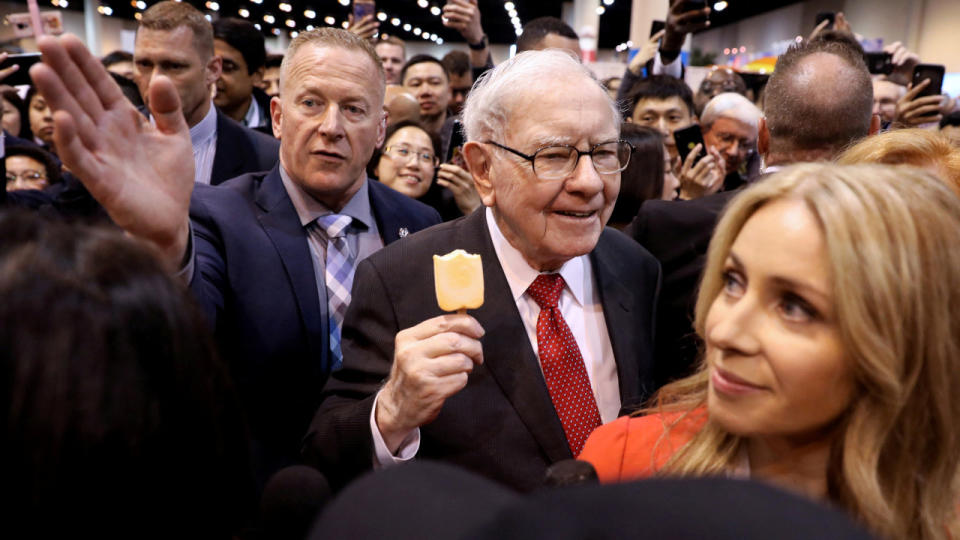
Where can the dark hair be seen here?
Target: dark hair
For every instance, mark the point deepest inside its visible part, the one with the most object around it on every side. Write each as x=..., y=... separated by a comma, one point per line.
x=10, y=94
x=170, y=15
x=115, y=58
x=243, y=36
x=537, y=29
x=115, y=415
x=420, y=59
x=828, y=111
x=660, y=87
x=952, y=119
x=37, y=154
x=273, y=60
x=129, y=89
x=456, y=62
x=643, y=177
x=393, y=128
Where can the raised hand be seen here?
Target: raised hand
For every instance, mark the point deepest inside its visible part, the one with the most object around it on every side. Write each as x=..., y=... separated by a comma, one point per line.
x=464, y=16
x=366, y=27
x=460, y=182
x=700, y=178
x=646, y=53
x=431, y=362
x=141, y=173
x=913, y=111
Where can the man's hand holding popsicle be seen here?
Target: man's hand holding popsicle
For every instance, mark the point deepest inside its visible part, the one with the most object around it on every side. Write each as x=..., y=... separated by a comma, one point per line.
x=432, y=360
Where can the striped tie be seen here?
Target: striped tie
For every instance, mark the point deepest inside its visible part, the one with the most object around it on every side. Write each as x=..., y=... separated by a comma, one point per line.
x=339, y=277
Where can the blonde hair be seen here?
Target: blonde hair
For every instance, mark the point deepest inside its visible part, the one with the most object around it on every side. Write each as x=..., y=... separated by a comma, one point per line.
x=337, y=38
x=891, y=237
x=917, y=147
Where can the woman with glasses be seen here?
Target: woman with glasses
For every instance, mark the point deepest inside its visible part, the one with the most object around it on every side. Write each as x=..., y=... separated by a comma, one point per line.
x=29, y=168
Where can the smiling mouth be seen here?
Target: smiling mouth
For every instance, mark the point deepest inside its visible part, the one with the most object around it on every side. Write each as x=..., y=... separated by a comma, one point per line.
x=580, y=215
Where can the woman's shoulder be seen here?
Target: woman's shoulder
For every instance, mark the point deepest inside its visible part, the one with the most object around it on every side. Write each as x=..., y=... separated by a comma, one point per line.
x=633, y=447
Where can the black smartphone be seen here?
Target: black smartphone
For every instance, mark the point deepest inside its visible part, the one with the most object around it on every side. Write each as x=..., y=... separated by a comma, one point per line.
x=657, y=26
x=693, y=5
x=826, y=16
x=687, y=139
x=22, y=75
x=456, y=144
x=363, y=8
x=879, y=62
x=934, y=72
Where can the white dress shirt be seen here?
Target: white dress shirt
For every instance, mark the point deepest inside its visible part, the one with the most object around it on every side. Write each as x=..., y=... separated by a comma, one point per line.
x=580, y=307
x=203, y=136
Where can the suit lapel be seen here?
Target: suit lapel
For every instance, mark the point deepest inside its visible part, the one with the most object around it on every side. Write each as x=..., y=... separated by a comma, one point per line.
x=231, y=154
x=617, y=301
x=509, y=357
x=281, y=223
x=390, y=219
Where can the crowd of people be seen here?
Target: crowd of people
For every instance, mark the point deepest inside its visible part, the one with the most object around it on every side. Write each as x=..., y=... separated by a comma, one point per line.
x=750, y=280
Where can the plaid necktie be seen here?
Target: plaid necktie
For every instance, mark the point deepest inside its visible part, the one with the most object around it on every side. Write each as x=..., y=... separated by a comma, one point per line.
x=339, y=277
x=563, y=368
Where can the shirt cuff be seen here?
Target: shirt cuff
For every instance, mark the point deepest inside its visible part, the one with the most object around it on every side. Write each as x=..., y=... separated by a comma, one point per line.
x=382, y=457
x=185, y=275
x=673, y=69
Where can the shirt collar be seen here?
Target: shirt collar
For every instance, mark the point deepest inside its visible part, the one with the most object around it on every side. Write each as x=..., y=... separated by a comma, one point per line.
x=206, y=128
x=309, y=209
x=520, y=275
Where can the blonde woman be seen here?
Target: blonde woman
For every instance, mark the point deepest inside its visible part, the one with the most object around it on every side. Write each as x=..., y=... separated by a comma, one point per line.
x=917, y=147
x=828, y=311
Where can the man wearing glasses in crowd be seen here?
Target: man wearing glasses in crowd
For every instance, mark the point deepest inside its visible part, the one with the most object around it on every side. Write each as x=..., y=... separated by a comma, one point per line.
x=563, y=339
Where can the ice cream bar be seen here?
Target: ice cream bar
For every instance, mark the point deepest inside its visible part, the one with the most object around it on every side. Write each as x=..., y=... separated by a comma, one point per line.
x=459, y=279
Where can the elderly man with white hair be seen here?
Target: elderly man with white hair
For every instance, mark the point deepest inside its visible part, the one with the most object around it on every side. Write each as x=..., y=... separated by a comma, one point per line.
x=730, y=124
x=562, y=342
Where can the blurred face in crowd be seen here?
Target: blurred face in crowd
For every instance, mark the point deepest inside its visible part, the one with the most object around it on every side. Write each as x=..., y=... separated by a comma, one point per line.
x=11, y=118
x=392, y=57
x=459, y=89
x=550, y=220
x=24, y=172
x=235, y=85
x=665, y=115
x=556, y=41
x=123, y=69
x=670, y=181
x=408, y=162
x=734, y=140
x=778, y=368
x=428, y=83
x=718, y=81
x=271, y=81
x=41, y=120
x=173, y=53
x=885, y=97
x=329, y=118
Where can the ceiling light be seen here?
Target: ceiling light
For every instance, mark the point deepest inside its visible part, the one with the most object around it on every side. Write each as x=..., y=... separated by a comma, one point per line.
x=344, y=2
x=508, y=6
x=285, y=7
x=244, y=12
x=395, y=21
x=257, y=1
x=345, y=25
x=329, y=20
x=310, y=27
x=407, y=27
x=423, y=3
x=310, y=14
x=417, y=31
x=276, y=31
x=257, y=26
x=512, y=12
x=269, y=19
x=291, y=23
x=439, y=41
x=294, y=34
x=435, y=10
x=608, y=2
x=601, y=10
x=213, y=6
x=720, y=6
x=381, y=16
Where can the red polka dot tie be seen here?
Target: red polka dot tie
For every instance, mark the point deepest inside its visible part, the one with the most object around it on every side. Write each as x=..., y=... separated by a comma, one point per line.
x=563, y=367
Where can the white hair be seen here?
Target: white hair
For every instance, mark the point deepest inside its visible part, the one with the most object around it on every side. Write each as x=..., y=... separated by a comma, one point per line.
x=730, y=105
x=489, y=103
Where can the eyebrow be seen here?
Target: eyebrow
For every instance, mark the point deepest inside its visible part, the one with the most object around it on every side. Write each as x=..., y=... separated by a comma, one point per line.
x=787, y=283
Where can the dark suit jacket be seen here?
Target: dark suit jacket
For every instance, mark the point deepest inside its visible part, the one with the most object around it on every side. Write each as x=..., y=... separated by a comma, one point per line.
x=254, y=278
x=241, y=150
x=678, y=234
x=502, y=424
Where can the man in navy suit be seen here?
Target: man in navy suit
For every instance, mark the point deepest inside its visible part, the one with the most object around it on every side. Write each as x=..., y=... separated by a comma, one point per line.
x=174, y=39
x=249, y=247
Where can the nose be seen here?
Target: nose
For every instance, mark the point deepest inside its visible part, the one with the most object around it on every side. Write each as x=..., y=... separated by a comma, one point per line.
x=662, y=126
x=876, y=107
x=732, y=324
x=331, y=125
x=585, y=179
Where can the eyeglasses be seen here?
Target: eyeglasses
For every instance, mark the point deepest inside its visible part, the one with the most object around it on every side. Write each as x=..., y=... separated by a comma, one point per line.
x=26, y=175
x=403, y=153
x=557, y=162
x=726, y=140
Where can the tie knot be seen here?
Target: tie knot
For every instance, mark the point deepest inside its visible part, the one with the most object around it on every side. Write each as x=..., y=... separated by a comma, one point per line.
x=546, y=289
x=334, y=224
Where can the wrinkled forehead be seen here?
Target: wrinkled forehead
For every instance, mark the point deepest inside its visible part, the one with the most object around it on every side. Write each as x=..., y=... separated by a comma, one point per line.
x=322, y=61
x=572, y=108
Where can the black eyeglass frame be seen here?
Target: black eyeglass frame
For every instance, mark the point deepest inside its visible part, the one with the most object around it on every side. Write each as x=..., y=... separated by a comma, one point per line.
x=580, y=154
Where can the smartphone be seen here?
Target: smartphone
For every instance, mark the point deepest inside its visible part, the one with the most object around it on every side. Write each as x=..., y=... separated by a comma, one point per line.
x=934, y=72
x=693, y=5
x=22, y=75
x=826, y=16
x=687, y=139
x=879, y=62
x=456, y=143
x=362, y=8
x=657, y=26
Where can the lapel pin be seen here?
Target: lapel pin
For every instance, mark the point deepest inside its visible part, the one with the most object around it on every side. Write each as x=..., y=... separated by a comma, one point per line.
x=403, y=232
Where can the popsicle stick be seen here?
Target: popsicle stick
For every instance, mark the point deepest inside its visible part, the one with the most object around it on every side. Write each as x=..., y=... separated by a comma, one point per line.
x=462, y=311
